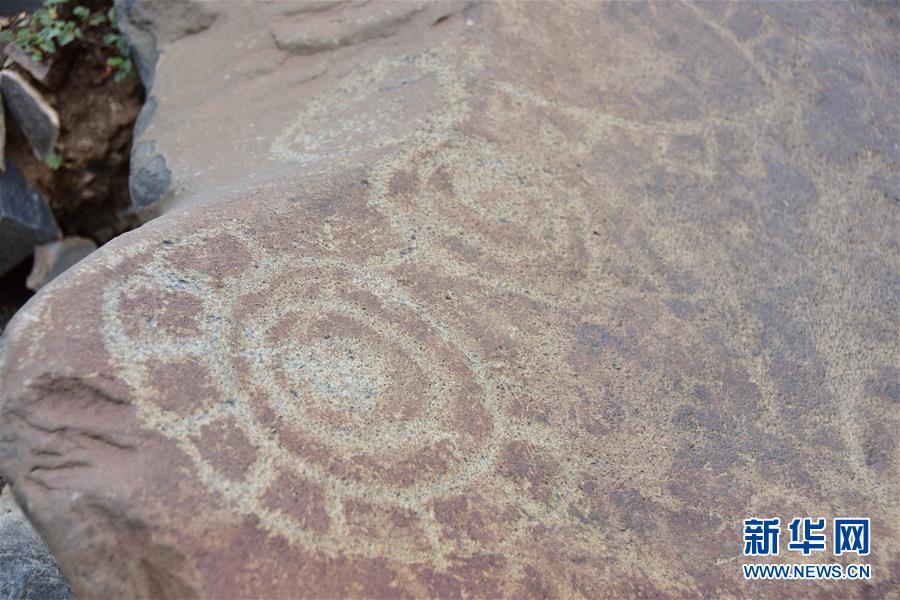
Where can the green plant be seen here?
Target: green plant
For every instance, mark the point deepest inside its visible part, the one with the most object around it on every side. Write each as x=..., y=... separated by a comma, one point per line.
x=121, y=61
x=53, y=160
x=56, y=24
x=44, y=31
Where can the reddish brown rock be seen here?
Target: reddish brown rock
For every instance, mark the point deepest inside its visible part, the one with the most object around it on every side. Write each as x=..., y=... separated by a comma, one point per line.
x=517, y=300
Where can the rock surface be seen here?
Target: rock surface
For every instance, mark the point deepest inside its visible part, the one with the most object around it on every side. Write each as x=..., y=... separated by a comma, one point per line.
x=27, y=569
x=37, y=119
x=53, y=259
x=25, y=219
x=490, y=300
x=2, y=136
x=49, y=74
x=14, y=7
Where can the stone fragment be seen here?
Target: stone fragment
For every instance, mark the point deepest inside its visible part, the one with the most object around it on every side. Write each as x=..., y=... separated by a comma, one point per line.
x=25, y=218
x=37, y=69
x=27, y=569
x=522, y=299
x=53, y=258
x=49, y=74
x=37, y=119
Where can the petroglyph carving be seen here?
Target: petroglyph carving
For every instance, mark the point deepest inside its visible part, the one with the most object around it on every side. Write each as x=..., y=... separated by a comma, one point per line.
x=465, y=313
x=313, y=359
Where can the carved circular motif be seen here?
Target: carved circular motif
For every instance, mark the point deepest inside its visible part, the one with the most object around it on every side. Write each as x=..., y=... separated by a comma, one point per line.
x=330, y=371
x=360, y=382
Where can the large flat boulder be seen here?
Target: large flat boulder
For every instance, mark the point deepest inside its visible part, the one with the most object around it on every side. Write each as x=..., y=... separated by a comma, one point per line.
x=482, y=300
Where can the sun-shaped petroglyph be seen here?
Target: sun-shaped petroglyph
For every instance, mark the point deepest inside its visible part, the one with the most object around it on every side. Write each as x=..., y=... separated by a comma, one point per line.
x=339, y=383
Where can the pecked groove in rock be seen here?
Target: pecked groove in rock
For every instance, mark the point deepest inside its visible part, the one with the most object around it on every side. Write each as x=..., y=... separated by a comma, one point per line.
x=449, y=312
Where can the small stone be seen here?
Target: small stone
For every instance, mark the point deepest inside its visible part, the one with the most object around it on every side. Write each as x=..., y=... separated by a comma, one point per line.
x=38, y=120
x=52, y=259
x=49, y=74
x=37, y=69
x=27, y=569
x=25, y=219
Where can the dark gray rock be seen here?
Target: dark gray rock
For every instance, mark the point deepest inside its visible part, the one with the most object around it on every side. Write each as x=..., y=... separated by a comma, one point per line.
x=150, y=176
x=2, y=134
x=25, y=219
x=14, y=7
x=38, y=120
x=27, y=569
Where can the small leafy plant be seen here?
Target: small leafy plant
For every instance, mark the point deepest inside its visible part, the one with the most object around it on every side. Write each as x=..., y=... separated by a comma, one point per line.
x=121, y=60
x=57, y=24
x=54, y=160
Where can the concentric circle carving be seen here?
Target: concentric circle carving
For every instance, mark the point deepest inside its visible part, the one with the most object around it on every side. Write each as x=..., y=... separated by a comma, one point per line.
x=334, y=376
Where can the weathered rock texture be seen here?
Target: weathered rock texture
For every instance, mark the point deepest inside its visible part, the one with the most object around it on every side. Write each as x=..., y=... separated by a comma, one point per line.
x=493, y=300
